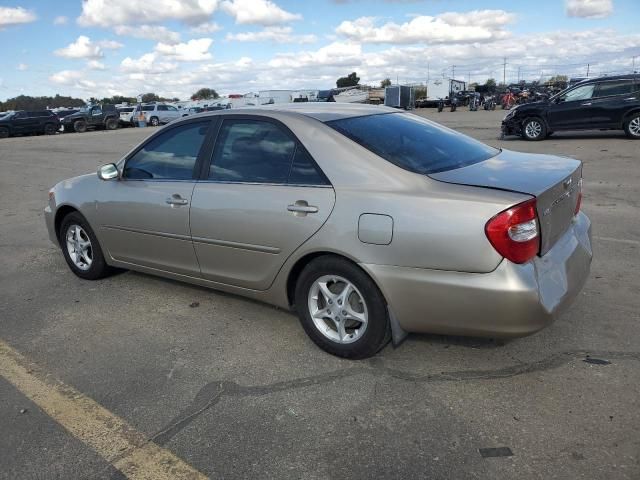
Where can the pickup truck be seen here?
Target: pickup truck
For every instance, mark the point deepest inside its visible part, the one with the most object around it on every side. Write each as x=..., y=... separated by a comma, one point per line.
x=94, y=116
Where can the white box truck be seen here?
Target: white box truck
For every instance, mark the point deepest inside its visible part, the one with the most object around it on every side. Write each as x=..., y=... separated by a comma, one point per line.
x=441, y=89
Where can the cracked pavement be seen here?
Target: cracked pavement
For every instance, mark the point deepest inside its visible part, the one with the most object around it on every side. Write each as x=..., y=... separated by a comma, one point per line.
x=235, y=389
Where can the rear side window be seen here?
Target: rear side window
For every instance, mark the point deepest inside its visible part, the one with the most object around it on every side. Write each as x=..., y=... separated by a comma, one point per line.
x=171, y=155
x=252, y=151
x=148, y=108
x=304, y=170
x=413, y=143
x=621, y=87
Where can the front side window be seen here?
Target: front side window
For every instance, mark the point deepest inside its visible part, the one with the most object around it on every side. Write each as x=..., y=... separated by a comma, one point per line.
x=171, y=109
x=413, y=143
x=169, y=156
x=252, y=151
x=162, y=108
x=148, y=108
x=579, y=93
x=622, y=87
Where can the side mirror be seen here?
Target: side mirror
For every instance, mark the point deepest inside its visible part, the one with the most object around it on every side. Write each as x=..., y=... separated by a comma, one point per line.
x=108, y=172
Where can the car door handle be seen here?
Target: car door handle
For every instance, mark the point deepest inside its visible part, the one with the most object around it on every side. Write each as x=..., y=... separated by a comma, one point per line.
x=301, y=206
x=586, y=104
x=177, y=200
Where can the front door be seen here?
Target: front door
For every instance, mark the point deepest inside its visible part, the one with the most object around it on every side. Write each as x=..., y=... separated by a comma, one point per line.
x=144, y=216
x=24, y=122
x=572, y=110
x=263, y=197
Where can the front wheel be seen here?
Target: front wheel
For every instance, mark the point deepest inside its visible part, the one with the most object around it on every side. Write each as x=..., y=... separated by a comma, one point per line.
x=81, y=248
x=4, y=132
x=534, y=129
x=341, y=308
x=111, y=124
x=80, y=126
x=632, y=127
x=49, y=129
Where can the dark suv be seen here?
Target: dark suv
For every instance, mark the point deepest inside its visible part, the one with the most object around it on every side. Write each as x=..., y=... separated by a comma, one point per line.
x=606, y=103
x=95, y=116
x=22, y=122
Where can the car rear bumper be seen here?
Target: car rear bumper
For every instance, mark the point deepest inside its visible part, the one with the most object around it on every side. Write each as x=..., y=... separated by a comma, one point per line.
x=50, y=222
x=513, y=300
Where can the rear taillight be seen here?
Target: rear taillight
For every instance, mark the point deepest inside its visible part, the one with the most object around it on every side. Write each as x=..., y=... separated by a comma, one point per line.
x=515, y=232
x=579, y=201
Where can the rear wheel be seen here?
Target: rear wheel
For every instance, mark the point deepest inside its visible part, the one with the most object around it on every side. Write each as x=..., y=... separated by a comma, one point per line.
x=80, y=126
x=49, y=129
x=632, y=126
x=4, y=132
x=81, y=248
x=112, y=124
x=341, y=309
x=534, y=129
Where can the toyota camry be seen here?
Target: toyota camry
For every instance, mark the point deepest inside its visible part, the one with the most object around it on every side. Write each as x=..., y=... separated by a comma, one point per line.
x=367, y=221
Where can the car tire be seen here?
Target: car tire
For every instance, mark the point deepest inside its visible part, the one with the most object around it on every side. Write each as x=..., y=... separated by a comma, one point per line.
x=154, y=121
x=49, y=129
x=80, y=126
x=86, y=260
x=632, y=126
x=111, y=124
x=534, y=129
x=350, y=296
x=4, y=132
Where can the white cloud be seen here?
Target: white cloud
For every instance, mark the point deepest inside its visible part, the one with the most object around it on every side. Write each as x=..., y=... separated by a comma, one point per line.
x=147, y=63
x=10, y=16
x=60, y=20
x=258, y=12
x=22, y=67
x=95, y=65
x=335, y=54
x=83, y=47
x=205, y=28
x=589, y=8
x=150, y=32
x=66, y=77
x=195, y=50
x=111, y=13
x=272, y=34
x=110, y=44
x=474, y=26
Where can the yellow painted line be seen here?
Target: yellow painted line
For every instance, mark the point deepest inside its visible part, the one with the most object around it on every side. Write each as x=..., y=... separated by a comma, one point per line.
x=109, y=435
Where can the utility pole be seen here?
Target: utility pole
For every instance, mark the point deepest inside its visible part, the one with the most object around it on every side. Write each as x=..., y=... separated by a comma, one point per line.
x=587, y=70
x=519, y=74
x=504, y=71
x=453, y=71
x=469, y=82
x=633, y=63
x=427, y=72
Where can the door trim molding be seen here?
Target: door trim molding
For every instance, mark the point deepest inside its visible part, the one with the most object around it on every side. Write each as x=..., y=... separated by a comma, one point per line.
x=174, y=236
x=241, y=246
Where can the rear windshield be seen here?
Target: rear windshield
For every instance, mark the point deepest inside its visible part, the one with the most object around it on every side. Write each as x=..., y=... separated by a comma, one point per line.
x=413, y=143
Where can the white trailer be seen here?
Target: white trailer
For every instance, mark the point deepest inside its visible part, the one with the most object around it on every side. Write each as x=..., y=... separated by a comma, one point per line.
x=443, y=88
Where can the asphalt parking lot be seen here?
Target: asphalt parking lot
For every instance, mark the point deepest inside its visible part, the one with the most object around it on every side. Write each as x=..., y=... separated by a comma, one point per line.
x=96, y=376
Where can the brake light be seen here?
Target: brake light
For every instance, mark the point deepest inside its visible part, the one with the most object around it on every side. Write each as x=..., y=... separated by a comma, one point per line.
x=515, y=232
x=579, y=201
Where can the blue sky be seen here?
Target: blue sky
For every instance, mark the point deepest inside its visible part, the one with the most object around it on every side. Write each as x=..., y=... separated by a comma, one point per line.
x=99, y=47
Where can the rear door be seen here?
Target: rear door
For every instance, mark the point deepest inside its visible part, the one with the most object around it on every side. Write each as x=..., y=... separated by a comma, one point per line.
x=261, y=196
x=573, y=109
x=611, y=100
x=144, y=217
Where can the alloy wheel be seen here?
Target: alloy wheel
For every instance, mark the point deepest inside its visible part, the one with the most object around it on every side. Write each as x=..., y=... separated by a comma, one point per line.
x=533, y=129
x=338, y=309
x=634, y=127
x=79, y=247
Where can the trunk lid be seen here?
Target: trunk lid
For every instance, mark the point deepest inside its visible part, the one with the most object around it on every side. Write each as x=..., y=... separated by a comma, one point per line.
x=553, y=180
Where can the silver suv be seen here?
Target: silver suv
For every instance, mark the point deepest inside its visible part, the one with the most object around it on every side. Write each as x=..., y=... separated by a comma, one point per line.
x=160, y=113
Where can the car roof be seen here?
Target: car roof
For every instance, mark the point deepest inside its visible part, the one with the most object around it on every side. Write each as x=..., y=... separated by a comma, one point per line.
x=324, y=112
x=629, y=76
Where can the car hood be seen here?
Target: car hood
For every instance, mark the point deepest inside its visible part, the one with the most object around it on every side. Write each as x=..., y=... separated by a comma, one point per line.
x=73, y=116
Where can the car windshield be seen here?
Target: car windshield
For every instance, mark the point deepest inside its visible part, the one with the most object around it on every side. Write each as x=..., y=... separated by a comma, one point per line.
x=413, y=143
